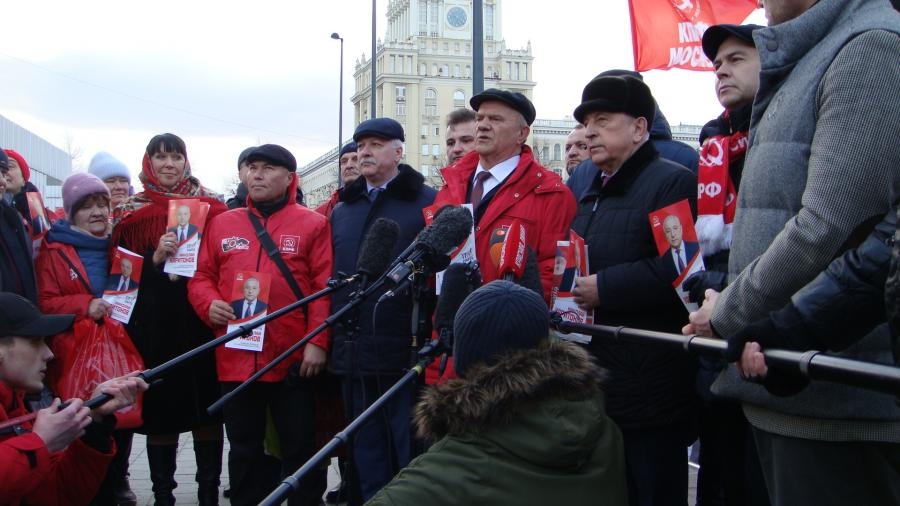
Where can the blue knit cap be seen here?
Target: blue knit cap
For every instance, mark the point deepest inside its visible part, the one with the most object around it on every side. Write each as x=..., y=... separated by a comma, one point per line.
x=104, y=166
x=498, y=318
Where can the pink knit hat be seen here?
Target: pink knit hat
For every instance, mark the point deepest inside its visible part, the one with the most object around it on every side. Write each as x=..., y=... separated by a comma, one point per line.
x=79, y=186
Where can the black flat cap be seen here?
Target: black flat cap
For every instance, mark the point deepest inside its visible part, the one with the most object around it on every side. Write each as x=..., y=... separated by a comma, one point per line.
x=244, y=154
x=385, y=128
x=617, y=94
x=274, y=154
x=715, y=35
x=350, y=147
x=514, y=99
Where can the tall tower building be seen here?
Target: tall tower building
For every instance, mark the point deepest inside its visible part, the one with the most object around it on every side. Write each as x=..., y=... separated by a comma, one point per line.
x=424, y=71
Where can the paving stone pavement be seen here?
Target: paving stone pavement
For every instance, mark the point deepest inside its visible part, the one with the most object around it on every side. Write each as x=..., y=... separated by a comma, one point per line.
x=186, y=492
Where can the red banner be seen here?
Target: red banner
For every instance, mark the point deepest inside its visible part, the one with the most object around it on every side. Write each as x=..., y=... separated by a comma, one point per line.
x=667, y=33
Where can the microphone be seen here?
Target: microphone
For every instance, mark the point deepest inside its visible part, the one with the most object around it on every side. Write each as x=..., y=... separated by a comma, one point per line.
x=376, y=249
x=460, y=279
x=512, y=254
x=431, y=248
x=531, y=274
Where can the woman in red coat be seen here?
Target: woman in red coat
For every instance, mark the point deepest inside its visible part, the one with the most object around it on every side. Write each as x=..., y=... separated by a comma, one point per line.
x=163, y=324
x=72, y=267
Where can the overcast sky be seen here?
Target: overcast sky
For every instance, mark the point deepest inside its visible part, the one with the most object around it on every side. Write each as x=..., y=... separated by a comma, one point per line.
x=108, y=75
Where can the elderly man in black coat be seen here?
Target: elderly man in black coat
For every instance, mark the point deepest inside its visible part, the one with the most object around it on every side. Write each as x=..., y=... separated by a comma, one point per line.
x=650, y=389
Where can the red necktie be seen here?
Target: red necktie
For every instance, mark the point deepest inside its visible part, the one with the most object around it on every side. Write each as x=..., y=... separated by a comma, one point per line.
x=478, y=188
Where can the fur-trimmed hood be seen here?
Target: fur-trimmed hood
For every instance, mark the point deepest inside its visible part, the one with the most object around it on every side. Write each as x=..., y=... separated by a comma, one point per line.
x=490, y=397
x=405, y=186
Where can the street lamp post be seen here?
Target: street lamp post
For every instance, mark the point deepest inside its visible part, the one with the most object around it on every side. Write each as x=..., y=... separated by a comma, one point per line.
x=335, y=36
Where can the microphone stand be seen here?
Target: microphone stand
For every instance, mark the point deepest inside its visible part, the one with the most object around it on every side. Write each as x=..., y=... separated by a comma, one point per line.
x=151, y=375
x=292, y=482
x=357, y=299
x=809, y=364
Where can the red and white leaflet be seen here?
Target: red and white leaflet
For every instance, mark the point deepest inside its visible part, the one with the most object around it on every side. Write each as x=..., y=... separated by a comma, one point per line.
x=249, y=301
x=676, y=241
x=465, y=252
x=187, y=218
x=122, y=285
x=571, y=262
x=40, y=223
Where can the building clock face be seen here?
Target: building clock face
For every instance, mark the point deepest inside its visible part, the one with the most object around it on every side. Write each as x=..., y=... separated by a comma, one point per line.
x=456, y=17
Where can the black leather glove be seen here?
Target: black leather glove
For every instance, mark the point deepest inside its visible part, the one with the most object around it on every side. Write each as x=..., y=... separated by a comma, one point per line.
x=697, y=283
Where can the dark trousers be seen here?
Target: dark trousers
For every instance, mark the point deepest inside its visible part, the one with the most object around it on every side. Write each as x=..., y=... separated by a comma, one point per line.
x=293, y=414
x=656, y=465
x=382, y=446
x=729, y=472
x=803, y=471
x=117, y=470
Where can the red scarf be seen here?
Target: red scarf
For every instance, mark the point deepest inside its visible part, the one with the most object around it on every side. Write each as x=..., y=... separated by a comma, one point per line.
x=716, y=193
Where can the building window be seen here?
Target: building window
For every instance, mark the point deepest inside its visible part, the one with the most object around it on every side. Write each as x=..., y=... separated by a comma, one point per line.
x=468, y=71
x=431, y=110
x=459, y=99
x=437, y=130
x=392, y=61
x=557, y=152
x=401, y=109
x=456, y=47
x=400, y=92
x=434, y=71
x=424, y=130
x=424, y=149
x=423, y=69
x=430, y=96
x=435, y=150
x=456, y=71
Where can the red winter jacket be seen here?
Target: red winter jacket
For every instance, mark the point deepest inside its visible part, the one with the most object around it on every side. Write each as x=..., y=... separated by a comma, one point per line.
x=29, y=474
x=229, y=246
x=60, y=291
x=326, y=207
x=532, y=194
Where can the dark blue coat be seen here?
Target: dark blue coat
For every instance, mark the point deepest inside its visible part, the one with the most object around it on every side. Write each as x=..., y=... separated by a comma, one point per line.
x=648, y=385
x=385, y=346
x=16, y=266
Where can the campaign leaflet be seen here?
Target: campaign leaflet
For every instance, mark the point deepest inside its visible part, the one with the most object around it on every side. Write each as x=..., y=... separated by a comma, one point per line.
x=249, y=302
x=40, y=223
x=122, y=285
x=571, y=262
x=676, y=241
x=187, y=217
x=465, y=252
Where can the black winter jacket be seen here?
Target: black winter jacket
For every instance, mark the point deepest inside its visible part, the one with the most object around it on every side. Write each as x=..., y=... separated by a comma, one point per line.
x=648, y=385
x=385, y=346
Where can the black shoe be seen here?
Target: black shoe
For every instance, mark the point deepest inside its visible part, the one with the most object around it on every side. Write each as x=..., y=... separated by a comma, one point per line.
x=123, y=494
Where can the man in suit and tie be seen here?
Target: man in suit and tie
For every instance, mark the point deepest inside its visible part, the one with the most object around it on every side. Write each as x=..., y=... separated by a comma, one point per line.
x=184, y=230
x=250, y=304
x=681, y=252
x=123, y=281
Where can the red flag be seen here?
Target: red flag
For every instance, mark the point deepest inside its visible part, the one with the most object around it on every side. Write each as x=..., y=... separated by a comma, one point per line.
x=667, y=33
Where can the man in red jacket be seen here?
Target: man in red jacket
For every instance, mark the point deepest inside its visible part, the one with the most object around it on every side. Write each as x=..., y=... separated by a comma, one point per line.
x=504, y=183
x=232, y=245
x=60, y=457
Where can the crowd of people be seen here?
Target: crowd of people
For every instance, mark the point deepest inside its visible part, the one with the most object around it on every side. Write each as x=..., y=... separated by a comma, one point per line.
x=793, y=194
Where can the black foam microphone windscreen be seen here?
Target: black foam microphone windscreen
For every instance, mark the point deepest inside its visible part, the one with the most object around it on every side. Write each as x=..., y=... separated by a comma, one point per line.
x=378, y=247
x=448, y=230
x=455, y=287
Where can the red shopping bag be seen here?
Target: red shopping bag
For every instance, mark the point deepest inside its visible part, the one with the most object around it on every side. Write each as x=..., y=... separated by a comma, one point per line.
x=102, y=351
